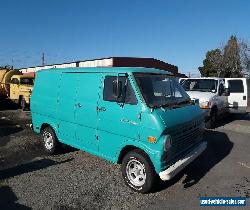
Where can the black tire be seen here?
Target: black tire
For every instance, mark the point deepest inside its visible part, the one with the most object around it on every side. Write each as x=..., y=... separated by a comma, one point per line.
x=212, y=122
x=138, y=157
x=23, y=104
x=50, y=146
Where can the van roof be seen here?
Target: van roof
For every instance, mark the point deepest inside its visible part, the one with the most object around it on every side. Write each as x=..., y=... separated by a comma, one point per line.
x=216, y=78
x=108, y=70
x=22, y=76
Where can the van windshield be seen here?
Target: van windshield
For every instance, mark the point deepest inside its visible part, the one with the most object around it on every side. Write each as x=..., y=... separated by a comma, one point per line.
x=160, y=90
x=205, y=85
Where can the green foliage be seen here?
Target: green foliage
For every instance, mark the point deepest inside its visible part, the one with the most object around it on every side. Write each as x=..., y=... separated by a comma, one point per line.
x=233, y=61
x=6, y=67
x=212, y=64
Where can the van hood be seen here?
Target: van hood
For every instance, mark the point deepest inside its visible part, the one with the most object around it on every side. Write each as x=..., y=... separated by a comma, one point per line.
x=202, y=96
x=179, y=117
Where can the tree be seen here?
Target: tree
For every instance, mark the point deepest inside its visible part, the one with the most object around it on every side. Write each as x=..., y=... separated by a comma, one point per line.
x=232, y=61
x=231, y=66
x=245, y=57
x=212, y=64
x=6, y=67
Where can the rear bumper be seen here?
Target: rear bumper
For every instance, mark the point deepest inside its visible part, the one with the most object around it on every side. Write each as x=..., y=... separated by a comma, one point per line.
x=170, y=172
x=239, y=109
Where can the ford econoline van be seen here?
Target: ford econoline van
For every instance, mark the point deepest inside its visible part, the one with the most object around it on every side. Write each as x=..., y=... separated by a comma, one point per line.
x=140, y=118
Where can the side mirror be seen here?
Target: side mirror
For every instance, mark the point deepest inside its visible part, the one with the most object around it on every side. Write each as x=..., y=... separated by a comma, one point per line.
x=227, y=92
x=195, y=101
x=117, y=88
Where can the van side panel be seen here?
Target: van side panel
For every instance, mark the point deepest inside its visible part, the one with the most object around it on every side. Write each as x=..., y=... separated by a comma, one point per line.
x=44, y=100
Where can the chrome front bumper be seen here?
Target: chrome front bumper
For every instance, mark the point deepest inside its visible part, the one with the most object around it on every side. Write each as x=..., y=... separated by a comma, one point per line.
x=170, y=172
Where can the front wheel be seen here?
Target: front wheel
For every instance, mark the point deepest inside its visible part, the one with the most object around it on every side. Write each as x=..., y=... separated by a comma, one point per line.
x=211, y=123
x=138, y=172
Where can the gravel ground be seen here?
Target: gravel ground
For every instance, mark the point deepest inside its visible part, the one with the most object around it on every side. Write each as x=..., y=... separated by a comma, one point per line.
x=77, y=180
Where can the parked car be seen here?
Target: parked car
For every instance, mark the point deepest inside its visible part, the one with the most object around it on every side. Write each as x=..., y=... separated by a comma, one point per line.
x=139, y=117
x=217, y=96
x=16, y=86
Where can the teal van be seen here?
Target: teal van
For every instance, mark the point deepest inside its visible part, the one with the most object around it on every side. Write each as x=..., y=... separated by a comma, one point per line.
x=140, y=118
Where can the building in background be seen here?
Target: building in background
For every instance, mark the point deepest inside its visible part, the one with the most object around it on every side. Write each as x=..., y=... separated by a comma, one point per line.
x=111, y=62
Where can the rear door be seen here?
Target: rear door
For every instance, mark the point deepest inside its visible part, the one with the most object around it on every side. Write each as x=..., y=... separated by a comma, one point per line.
x=238, y=93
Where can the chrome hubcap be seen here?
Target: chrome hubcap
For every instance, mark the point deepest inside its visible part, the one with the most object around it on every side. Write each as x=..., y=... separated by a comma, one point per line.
x=48, y=140
x=136, y=172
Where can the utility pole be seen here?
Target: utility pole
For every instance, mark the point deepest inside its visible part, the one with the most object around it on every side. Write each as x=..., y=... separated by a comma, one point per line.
x=43, y=60
x=12, y=60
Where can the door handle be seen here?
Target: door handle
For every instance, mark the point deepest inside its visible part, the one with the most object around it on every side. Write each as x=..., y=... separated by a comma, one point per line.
x=78, y=105
x=101, y=109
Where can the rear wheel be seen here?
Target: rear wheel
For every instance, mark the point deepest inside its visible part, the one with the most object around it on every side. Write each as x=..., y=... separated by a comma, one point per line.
x=138, y=172
x=50, y=141
x=23, y=104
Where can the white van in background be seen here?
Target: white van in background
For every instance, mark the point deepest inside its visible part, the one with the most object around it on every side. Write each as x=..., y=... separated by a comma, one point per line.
x=238, y=94
x=217, y=96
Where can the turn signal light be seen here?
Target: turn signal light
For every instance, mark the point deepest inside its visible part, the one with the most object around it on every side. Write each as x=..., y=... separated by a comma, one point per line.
x=151, y=139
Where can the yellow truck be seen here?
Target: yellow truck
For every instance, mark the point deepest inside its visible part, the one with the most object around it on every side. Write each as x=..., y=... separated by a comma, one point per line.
x=16, y=86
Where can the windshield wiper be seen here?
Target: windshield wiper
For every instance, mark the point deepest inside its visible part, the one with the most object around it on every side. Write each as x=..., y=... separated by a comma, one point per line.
x=172, y=105
x=185, y=102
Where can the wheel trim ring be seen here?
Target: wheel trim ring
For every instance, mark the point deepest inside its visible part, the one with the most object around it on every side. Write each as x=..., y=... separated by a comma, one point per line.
x=48, y=140
x=137, y=177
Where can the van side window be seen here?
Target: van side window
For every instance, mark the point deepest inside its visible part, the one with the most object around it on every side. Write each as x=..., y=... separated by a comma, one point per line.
x=108, y=91
x=236, y=86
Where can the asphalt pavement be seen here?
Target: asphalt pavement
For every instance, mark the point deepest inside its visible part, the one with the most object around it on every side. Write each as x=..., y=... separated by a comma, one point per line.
x=74, y=179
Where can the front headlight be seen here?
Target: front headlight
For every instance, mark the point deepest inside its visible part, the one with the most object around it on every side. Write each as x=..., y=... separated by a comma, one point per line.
x=167, y=142
x=205, y=105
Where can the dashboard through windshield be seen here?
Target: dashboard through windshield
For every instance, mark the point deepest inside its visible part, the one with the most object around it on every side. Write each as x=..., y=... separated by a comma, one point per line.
x=161, y=90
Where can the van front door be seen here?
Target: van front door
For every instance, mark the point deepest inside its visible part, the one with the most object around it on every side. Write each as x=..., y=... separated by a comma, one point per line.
x=238, y=94
x=222, y=99
x=118, y=117
x=88, y=95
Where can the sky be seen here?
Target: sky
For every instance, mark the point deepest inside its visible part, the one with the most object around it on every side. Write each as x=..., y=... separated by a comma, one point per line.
x=178, y=32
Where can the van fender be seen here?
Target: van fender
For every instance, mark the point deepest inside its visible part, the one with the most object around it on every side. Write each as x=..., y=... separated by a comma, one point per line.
x=154, y=155
x=51, y=124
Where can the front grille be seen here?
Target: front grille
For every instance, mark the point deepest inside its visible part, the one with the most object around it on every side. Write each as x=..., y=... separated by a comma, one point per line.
x=185, y=136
